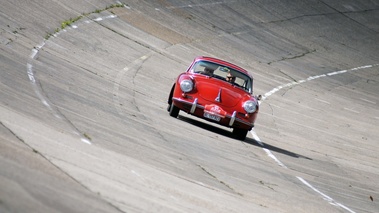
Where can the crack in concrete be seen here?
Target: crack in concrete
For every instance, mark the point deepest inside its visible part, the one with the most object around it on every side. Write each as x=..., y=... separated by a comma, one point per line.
x=294, y=57
x=57, y=167
x=220, y=181
x=14, y=134
x=326, y=14
x=349, y=12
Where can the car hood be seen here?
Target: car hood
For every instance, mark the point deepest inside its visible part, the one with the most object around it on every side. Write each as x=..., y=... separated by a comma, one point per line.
x=220, y=93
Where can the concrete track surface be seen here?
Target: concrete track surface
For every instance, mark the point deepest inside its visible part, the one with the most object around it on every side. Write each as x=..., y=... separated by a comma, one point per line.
x=84, y=126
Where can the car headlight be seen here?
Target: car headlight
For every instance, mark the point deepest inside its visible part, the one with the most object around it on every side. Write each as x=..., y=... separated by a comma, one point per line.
x=250, y=106
x=186, y=85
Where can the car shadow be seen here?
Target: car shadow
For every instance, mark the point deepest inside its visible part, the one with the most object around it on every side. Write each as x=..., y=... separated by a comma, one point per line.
x=206, y=126
x=274, y=148
x=248, y=140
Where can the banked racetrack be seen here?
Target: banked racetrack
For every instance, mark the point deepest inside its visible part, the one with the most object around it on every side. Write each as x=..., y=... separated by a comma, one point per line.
x=84, y=126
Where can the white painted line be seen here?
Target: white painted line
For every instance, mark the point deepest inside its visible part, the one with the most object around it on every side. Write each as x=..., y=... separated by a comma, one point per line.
x=85, y=141
x=33, y=80
x=324, y=196
x=29, y=68
x=336, y=73
x=368, y=101
x=119, y=77
x=256, y=138
x=110, y=16
x=313, y=78
x=197, y=5
x=268, y=152
x=322, y=101
x=34, y=53
x=135, y=173
x=351, y=110
x=120, y=3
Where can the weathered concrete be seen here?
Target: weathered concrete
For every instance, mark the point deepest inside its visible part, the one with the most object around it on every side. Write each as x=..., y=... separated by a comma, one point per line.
x=84, y=126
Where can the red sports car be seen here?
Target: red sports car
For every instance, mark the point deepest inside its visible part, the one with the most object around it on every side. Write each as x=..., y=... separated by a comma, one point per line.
x=217, y=91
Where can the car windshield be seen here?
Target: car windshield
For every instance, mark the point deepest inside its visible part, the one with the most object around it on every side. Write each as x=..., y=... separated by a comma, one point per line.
x=224, y=73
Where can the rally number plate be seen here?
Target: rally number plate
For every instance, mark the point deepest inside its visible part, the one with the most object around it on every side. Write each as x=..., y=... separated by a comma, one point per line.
x=212, y=117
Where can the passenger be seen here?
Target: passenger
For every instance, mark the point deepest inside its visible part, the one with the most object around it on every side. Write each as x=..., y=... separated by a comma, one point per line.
x=230, y=78
x=208, y=71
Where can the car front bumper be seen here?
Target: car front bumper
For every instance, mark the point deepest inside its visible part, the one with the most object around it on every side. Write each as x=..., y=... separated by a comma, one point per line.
x=198, y=110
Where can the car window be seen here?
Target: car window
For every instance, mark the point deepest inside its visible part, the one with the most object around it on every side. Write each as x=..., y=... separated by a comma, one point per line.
x=221, y=72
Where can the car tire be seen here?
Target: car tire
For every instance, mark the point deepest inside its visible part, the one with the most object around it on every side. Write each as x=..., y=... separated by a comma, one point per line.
x=240, y=134
x=174, y=110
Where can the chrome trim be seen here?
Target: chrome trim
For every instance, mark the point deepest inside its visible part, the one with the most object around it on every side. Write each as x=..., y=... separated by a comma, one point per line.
x=202, y=107
x=186, y=102
x=238, y=120
x=233, y=118
x=218, y=98
x=244, y=122
x=193, y=108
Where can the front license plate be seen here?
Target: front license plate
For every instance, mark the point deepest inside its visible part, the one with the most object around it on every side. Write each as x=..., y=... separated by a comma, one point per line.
x=212, y=117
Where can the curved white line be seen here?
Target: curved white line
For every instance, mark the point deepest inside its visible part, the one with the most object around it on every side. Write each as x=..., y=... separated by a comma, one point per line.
x=198, y=5
x=268, y=152
x=271, y=155
x=119, y=77
x=325, y=197
x=34, y=81
x=276, y=89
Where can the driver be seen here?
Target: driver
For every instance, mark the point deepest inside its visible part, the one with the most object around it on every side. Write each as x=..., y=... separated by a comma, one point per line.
x=208, y=71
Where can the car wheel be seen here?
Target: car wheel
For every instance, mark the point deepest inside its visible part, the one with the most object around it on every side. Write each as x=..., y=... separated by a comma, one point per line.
x=240, y=134
x=174, y=111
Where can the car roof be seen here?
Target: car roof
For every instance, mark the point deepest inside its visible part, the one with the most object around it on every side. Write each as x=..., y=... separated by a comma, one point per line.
x=222, y=62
